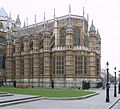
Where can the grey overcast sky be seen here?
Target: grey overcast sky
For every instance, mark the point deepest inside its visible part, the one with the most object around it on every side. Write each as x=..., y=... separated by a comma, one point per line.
x=104, y=13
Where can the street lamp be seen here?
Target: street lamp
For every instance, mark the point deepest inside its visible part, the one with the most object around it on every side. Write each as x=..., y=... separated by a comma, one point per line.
x=115, y=91
x=107, y=84
x=119, y=83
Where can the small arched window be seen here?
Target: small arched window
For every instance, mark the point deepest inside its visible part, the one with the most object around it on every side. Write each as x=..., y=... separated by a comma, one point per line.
x=76, y=37
x=62, y=37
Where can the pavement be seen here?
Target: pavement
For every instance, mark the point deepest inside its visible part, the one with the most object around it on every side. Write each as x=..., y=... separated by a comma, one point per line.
x=97, y=101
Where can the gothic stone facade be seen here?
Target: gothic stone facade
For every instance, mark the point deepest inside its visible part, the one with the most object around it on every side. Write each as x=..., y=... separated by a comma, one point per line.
x=60, y=52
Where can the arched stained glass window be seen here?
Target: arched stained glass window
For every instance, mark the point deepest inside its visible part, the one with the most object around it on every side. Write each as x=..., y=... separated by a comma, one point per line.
x=62, y=37
x=76, y=37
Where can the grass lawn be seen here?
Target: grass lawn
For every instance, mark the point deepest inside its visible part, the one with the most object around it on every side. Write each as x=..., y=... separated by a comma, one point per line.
x=46, y=92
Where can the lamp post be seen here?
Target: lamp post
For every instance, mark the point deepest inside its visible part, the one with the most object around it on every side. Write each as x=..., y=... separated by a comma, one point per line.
x=119, y=84
x=115, y=91
x=107, y=84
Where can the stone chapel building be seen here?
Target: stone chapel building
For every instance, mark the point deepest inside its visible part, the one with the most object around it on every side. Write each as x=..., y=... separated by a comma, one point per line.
x=62, y=51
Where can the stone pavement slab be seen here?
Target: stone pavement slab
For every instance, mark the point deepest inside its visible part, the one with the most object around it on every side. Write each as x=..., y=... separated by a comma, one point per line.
x=2, y=94
x=17, y=99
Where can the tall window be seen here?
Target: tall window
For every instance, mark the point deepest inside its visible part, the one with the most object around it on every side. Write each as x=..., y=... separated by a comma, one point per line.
x=79, y=65
x=2, y=61
x=14, y=66
x=31, y=66
x=53, y=42
x=85, y=65
x=98, y=66
x=76, y=37
x=60, y=65
x=41, y=64
x=62, y=37
x=22, y=68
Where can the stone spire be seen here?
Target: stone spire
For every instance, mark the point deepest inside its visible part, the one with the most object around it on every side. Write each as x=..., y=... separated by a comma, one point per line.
x=88, y=17
x=45, y=29
x=27, y=22
x=55, y=31
x=35, y=21
x=18, y=19
x=92, y=28
x=44, y=21
x=24, y=24
x=55, y=20
x=35, y=18
x=10, y=15
x=97, y=34
x=18, y=23
x=54, y=13
x=69, y=25
x=83, y=12
x=25, y=28
x=44, y=16
x=69, y=9
x=83, y=19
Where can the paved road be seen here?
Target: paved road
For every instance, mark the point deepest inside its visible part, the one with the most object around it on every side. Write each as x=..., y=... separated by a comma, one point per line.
x=95, y=102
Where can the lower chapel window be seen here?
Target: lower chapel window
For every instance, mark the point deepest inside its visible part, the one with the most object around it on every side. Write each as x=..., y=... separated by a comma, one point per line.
x=78, y=65
x=42, y=63
x=60, y=65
